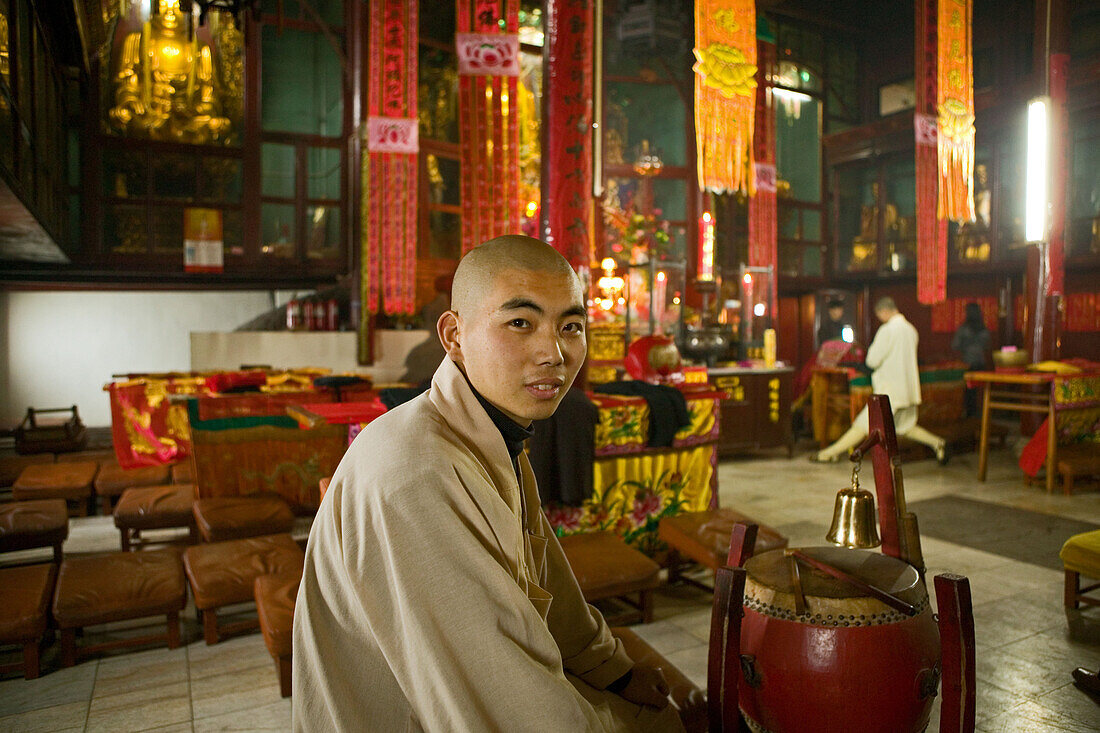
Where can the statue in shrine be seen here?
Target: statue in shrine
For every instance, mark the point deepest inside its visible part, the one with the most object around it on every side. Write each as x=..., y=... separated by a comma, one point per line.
x=165, y=86
x=865, y=246
x=972, y=243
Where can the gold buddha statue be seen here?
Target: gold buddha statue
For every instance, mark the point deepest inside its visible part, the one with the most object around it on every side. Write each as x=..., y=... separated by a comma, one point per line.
x=165, y=87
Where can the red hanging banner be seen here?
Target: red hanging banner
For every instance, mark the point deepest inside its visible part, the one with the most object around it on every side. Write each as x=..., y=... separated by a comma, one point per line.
x=488, y=118
x=931, y=229
x=955, y=110
x=567, y=165
x=389, y=161
x=763, y=216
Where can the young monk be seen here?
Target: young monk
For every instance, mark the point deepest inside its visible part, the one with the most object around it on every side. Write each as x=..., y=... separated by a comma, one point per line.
x=435, y=595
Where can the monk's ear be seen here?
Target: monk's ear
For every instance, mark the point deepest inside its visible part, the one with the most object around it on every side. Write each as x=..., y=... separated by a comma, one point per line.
x=449, y=328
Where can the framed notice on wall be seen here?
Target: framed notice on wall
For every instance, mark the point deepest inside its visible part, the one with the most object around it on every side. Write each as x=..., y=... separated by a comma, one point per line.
x=203, y=246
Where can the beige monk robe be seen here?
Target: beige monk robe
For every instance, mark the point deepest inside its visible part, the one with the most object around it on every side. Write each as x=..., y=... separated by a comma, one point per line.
x=893, y=357
x=436, y=597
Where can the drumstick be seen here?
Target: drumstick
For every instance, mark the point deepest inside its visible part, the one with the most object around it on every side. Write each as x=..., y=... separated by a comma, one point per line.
x=888, y=598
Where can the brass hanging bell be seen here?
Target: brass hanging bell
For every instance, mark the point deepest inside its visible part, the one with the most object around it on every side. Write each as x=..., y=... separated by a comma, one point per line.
x=855, y=523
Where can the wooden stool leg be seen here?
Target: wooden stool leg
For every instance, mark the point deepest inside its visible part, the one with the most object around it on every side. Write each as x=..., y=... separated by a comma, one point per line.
x=1073, y=585
x=283, y=666
x=124, y=539
x=956, y=624
x=645, y=603
x=30, y=660
x=68, y=647
x=210, y=626
x=173, y=630
x=57, y=555
x=1067, y=483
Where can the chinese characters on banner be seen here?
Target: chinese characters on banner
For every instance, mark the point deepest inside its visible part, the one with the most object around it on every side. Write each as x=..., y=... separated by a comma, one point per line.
x=725, y=93
x=488, y=115
x=568, y=162
x=389, y=161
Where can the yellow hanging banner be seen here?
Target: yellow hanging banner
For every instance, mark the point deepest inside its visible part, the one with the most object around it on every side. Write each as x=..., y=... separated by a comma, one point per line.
x=955, y=111
x=725, y=93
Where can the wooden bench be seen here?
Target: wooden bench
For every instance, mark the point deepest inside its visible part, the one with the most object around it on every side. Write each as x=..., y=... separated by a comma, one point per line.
x=606, y=567
x=1082, y=459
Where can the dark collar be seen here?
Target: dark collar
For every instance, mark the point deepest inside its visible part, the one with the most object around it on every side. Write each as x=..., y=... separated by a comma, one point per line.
x=513, y=433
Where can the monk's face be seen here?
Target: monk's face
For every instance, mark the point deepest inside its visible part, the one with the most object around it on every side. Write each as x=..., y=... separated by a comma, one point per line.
x=523, y=342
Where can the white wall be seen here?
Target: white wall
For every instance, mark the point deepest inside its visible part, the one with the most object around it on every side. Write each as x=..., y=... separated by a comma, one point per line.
x=59, y=348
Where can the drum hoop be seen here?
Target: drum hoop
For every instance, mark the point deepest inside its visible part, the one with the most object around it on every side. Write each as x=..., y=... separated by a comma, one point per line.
x=840, y=620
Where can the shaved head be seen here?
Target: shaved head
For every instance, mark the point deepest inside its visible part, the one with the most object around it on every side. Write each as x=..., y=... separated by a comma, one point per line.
x=477, y=270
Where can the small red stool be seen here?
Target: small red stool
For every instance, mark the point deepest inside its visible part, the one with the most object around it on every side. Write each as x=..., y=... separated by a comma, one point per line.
x=25, y=594
x=154, y=507
x=221, y=518
x=34, y=523
x=113, y=479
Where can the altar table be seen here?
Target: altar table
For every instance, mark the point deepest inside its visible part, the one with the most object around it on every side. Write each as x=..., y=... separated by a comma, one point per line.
x=1070, y=402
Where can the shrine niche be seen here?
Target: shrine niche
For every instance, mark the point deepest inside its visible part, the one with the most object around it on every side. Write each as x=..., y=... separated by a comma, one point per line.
x=168, y=78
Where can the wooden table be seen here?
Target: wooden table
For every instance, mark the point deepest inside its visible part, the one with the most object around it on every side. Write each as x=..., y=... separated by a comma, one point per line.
x=997, y=396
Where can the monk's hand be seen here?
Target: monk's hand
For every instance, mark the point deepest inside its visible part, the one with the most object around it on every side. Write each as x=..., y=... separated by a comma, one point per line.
x=647, y=686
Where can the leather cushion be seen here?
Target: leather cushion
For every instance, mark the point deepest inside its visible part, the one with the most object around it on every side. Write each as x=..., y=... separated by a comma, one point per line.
x=97, y=589
x=154, y=507
x=113, y=479
x=34, y=523
x=25, y=594
x=705, y=536
x=56, y=481
x=224, y=572
x=275, y=597
x=690, y=701
x=1081, y=553
x=221, y=518
x=606, y=567
x=12, y=466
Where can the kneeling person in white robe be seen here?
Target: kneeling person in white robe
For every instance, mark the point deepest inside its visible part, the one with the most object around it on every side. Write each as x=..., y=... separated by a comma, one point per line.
x=892, y=356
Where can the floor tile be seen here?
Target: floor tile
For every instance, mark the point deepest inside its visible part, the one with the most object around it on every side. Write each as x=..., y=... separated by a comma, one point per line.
x=70, y=716
x=140, y=670
x=275, y=716
x=235, y=691
x=237, y=653
x=140, y=709
x=57, y=687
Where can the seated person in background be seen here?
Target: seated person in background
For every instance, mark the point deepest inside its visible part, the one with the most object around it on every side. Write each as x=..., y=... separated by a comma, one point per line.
x=892, y=357
x=435, y=595
x=972, y=341
x=832, y=326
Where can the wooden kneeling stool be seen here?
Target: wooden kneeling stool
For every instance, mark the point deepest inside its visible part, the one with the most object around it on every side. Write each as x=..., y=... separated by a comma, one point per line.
x=704, y=537
x=275, y=598
x=35, y=523
x=154, y=507
x=12, y=466
x=69, y=481
x=1081, y=556
x=223, y=574
x=25, y=594
x=113, y=479
x=100, y=589
x=222, y=518
x=606, y=567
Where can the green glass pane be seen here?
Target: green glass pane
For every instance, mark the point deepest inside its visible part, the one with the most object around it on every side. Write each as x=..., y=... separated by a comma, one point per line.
x=330, y=11
x=651, y=112
x=74, y=235
x=124, y=173
x=323, y=171
x=277, y=170
x=322, y=232
x=232, y=229
x=812, y=264
x=221, y=179
x=173, y=176
x=443, y=180
x=798, y=144
x=811, y=225
x=444, y=235
x=302, y=83
x=437, y=94
x=788, y=222
x=670, y=198
x=124, y=230
x=168, y=230
x=277, y=230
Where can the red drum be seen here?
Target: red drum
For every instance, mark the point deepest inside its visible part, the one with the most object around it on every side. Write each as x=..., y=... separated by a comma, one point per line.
x=848, y=662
